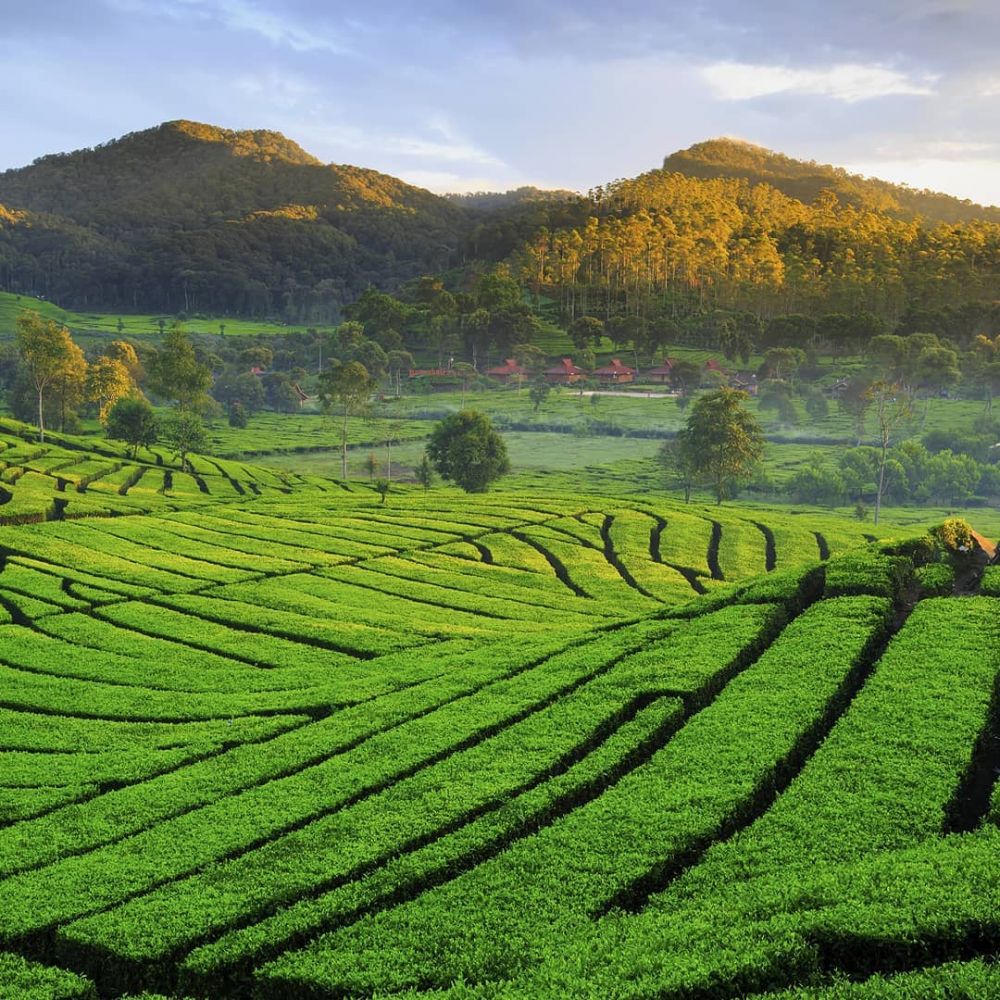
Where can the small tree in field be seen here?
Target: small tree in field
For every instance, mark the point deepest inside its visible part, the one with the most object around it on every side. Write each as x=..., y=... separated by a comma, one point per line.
x=467, y=450
x=722, y=442
x=133, y=421
x=424, y=472
x=349, y=388
x=185, y=433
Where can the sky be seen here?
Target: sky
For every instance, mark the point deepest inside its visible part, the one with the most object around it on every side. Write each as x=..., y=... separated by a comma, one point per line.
x=465, y=95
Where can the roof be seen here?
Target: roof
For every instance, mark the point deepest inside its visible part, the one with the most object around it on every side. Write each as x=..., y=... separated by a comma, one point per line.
x=565, y=367
x=665, y=369
x=713, y=365
x=615, y=368
x=509, y=367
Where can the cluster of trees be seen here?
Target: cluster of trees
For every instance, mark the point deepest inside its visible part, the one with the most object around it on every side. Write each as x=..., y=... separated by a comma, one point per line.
x=664, y=245
x=913, y=474
x=188, y=217
x=49, y=377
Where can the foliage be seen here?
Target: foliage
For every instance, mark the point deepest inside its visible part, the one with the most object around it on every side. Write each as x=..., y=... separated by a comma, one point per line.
x=176, y=374
x=465, y=449
x=184, y=433
x=721, y=442
x=132, y=420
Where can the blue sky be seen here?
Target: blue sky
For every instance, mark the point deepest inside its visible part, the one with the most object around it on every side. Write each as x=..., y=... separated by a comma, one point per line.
x=471, y=94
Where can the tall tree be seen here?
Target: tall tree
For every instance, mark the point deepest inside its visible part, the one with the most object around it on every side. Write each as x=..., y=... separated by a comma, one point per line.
x=176, y=374
x=49, y=355
x=893, y=407
x=108, y=380
x=347, y=387
x=722, y=442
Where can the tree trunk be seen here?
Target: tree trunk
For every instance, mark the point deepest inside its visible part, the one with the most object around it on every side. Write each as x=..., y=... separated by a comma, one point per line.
x=41, y=418
x=343, y=442
x=881, y=481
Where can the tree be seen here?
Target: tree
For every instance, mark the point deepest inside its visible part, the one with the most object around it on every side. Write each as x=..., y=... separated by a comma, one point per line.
x=676, y=466
x=538, y=393
x=781, y=361
x=722, y=442
x=133, y=421
x=108, y=380
x=892, y=408
x=347, y=387
x=586, y=331
x=424, y=472
x=238, y=416
x=467, y=450
x=685, y=376
x=176, y=374
x=184, y=433
x=371, y=464
x=382, y=488
x=49, y=355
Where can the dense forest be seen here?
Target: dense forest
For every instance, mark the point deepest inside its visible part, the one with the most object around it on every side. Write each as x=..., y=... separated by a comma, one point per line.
x=192, y=219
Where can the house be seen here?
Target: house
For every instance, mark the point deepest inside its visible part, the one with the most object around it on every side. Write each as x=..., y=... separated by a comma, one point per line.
x=564, y=373
x=509, y=371
x=662, y=373
x=615, y=373
x=713, y=366
x=747, y=381
x=839, y=388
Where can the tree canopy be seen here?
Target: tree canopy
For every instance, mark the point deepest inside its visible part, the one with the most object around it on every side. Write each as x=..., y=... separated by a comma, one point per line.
x=465, y=449
x=721, y=443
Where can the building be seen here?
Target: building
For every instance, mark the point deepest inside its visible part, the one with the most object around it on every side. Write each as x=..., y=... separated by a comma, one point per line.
x=509, y=371
x=615, y=373
x=747, y=381
x=564, y=373
x=663, y=373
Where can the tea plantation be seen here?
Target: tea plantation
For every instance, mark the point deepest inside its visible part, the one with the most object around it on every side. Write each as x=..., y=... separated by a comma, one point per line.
x=264, y=736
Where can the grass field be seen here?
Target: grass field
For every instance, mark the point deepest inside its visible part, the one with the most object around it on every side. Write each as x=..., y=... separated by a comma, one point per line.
x=132, y=325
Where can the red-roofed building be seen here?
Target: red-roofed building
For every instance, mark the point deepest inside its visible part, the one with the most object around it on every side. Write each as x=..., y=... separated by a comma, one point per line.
x=615, y=373
x=509, y=371
x=713, y=366
x=564, y=373
x=662, y=373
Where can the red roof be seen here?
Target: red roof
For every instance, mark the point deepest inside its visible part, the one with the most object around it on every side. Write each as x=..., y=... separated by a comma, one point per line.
x=665, y=369
x=714, y=366
x=615, y=368
x=565, y=367
x=509, y=367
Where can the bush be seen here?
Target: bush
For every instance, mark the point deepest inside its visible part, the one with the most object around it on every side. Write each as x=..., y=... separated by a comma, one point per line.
x=936, y=580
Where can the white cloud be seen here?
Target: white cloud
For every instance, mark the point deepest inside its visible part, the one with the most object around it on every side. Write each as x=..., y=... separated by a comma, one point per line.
x=849, y=82
x=445, y=148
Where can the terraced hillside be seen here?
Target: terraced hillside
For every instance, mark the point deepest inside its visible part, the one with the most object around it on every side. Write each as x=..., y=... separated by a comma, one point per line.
x=308, y=745
x=69, y=477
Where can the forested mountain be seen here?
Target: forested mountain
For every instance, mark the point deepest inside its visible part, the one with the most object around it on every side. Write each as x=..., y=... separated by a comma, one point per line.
x=669, y=244
x=196, y=218
x=806, y=180
x=192, y=218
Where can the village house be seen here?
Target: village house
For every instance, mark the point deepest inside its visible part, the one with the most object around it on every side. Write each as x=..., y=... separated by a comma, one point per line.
x=663, y=373
x=509, y=371
x=615, y=373
x=564, y=373
x=747, y=381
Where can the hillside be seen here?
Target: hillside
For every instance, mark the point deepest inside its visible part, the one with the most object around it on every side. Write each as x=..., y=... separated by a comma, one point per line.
x=189, y=217
x=806, y=179
x=292, y=742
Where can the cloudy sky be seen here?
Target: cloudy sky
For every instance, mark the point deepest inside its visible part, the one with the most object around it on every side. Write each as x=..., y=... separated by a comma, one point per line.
x=476, y=94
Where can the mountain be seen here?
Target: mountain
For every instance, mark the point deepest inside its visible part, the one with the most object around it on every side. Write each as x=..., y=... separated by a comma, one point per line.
x=191, y=217
x=804, y=180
